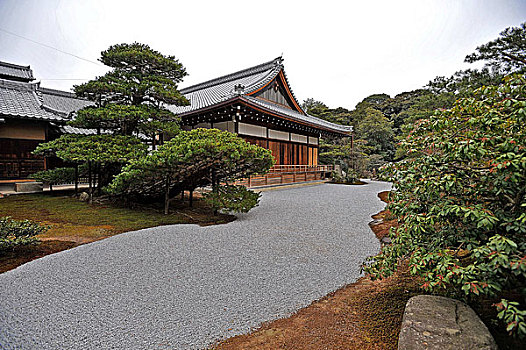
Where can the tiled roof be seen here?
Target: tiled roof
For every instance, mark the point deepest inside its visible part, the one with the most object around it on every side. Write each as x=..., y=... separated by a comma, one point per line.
x=221, y=89
x=66, y=129
x=19, y=99
x=298, y=116
x=62, y=101
x=15, y=72
x=215, y=91
x=28, y=100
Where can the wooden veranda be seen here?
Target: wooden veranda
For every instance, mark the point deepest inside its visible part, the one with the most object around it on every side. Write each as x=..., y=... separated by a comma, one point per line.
x=288, y=174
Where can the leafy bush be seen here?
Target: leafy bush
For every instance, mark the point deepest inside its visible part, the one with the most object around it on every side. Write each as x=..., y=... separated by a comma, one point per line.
x=192, y=159
x=348, y=177
x=460, y=198
x=232, y=198
x=15, y=233
x=55, y=176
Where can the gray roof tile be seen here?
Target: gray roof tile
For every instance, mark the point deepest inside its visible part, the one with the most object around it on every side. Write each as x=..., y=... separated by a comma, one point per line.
x=19, y=99
x=66, y=129
x=298, y=116
x=16, y=72
x=28, y=100
x=62, y=101
x=215, y=91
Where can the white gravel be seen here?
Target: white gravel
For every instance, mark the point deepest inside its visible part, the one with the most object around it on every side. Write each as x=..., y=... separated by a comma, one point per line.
x=185, y=286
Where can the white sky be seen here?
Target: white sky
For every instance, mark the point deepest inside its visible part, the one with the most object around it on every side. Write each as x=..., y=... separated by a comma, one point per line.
x=338, y=52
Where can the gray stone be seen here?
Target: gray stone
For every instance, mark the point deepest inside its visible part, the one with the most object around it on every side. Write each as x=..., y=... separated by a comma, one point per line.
x=28, y=187
x=433, y=322
x=185, y=286
x=84, y=197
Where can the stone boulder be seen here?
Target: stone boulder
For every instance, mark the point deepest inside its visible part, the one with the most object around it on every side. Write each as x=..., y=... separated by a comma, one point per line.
x=84, y=197
x=29, y=186
x=433, y=322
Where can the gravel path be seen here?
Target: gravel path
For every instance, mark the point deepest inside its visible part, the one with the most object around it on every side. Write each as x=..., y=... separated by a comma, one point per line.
x=185, y=286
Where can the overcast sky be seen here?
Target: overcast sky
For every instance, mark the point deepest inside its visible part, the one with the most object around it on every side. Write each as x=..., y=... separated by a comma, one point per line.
x=337, y=52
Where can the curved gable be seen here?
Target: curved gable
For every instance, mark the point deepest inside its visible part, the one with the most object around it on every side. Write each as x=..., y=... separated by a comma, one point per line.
x=278, y=91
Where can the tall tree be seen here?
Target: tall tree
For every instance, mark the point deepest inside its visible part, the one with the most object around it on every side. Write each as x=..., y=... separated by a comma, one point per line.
x=130, y=102
x=377, y=131
x=505, y=54
x=502, y=56
x=131, y=98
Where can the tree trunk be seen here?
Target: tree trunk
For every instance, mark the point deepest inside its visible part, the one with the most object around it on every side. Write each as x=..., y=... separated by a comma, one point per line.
x=167, y=196
x=191, y=198
x=76, y=179
x=215, y=187
x=90, y=185
x=50, y=187
x=99, y=191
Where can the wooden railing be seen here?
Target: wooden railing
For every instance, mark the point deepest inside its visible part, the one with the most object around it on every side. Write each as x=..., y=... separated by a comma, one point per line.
x=288, y=174
x=300, y=168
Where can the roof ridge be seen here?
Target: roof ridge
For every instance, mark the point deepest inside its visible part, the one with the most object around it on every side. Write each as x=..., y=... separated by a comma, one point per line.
x=233, y=76
x=58, y=92
x=12, y=65
x=16, y=71
x=19, y=85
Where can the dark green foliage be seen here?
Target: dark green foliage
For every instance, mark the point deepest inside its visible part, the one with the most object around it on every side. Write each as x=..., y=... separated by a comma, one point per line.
x=139, y=75
x=462, y=81
x=377, y=131
x=232, y=198
x=348, y=177
x=125, y=119
x=97, y=149
x=192, y=159
x=377, y=99
x=55, y=176
x=460, y=198
x=506, y=54
x=15, y=233
x=318, y=109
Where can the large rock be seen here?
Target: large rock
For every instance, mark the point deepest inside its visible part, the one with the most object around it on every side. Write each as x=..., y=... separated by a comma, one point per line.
x=28, y=187
x=432, y=322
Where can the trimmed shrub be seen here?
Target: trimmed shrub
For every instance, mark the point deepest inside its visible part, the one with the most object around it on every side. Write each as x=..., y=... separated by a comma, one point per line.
x=232, y=198
x=16, y=233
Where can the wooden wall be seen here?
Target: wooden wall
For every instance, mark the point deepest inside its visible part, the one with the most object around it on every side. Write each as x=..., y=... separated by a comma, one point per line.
x=17, y=159
x=286, y=152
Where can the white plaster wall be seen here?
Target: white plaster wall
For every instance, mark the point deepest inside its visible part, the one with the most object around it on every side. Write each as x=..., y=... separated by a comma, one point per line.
x=313, y=140
x=278, y=135
x=298, y=138
x=252, y=130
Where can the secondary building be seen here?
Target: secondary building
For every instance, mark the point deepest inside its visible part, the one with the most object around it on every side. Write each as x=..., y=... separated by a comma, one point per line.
x=29, y=115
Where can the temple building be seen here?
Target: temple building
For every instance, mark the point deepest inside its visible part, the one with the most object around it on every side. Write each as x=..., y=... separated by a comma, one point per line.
x=29, y=115
x=258, y=104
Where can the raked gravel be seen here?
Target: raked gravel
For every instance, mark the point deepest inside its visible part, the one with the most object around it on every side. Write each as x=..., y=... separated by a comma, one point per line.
x=185, y=286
